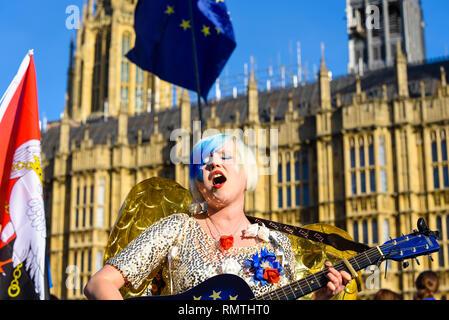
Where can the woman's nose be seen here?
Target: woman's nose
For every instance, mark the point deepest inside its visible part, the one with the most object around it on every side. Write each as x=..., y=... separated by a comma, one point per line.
x=214, y=160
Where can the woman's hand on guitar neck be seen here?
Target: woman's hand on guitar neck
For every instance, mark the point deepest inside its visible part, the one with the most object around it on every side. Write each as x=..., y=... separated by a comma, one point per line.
x=336, y=284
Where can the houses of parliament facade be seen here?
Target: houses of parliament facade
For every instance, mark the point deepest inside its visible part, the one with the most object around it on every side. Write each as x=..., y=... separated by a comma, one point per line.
x=365, y=152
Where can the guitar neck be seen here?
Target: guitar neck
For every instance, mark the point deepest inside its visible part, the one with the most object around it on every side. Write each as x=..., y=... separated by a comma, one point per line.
x=300, y=288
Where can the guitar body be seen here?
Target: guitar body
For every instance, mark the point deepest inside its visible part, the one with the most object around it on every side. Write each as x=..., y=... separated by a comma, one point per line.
x=221, y=287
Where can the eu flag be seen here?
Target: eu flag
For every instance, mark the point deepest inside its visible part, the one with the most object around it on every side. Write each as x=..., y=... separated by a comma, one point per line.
x=164, y=41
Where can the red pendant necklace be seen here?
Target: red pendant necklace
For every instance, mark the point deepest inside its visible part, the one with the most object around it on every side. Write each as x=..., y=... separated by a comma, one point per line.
x=226, y=241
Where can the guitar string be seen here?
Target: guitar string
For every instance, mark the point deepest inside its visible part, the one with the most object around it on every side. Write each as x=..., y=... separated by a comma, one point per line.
x=370, y=255
x=288, y=290
x=291, y=291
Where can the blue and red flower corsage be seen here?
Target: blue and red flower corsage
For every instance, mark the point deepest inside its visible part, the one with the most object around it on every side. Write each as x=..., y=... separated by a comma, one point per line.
x=264, y=268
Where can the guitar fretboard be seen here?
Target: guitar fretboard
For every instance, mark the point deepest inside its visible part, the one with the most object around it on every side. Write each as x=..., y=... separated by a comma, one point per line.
x=319, y=280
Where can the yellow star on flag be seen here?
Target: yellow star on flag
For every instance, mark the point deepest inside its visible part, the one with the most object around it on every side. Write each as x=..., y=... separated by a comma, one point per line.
x=206, y=30
x=218, y=30
x=185, y=24
x=170, y=10
x=197, y=298
x=233, y=298
x=217, y=1
x=215, y=295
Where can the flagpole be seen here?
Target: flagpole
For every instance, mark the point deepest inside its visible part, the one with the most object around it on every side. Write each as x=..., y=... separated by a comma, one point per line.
x=197, y=73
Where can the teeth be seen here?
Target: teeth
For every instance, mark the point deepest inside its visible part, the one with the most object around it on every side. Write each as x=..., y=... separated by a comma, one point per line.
x=215, y=177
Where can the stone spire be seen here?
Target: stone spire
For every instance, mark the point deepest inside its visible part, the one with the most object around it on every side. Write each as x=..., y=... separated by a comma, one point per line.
x=64, y=134
x=156, y=125
x=213, y=121
x=88, y=8
x=185, y=110
x=156, y=137
x=401, y=72
x=253, y=99
x=443, y=77
x=358, y=85
x=359, y=96
x=291, y=113
x=122, y=135
x=86, y=132
x=444, y=89
x=325, y=87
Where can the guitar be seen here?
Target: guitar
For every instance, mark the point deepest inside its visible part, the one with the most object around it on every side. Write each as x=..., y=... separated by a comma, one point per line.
x=231, y=287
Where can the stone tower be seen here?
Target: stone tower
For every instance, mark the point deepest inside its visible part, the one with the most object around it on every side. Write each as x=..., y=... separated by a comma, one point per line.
x=374, y=29
x=101, y=79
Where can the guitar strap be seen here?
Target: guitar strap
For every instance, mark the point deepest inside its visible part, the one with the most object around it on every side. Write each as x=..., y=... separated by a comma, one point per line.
x=332, y=239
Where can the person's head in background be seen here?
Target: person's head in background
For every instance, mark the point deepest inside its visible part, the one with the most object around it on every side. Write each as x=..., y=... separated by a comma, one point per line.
x=427, y=284
x=386, y=294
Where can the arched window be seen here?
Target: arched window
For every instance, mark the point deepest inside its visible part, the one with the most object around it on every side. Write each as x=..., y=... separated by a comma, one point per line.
x=441, y=251
x=355, y=229
x=126, y=39
x=362, y=169
x=138, y=99
x=293, y=185
x=385, y=230
x=375, y=231
x=382, y=164
x=439, y=156
x=125, y=65
x=365, y=231
x=96, y=77
x=361, y=153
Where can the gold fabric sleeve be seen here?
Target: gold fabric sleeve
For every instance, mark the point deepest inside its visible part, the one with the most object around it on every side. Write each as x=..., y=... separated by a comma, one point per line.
x=144, y=254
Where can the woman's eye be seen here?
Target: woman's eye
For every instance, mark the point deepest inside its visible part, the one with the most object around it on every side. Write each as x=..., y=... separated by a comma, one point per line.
x=226, y=157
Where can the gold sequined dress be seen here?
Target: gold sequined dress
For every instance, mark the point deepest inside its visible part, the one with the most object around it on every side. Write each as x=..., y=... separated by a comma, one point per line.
x=188, y=256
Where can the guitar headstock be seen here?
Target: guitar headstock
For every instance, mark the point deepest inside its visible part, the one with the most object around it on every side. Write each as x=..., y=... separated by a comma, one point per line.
x=420, y=242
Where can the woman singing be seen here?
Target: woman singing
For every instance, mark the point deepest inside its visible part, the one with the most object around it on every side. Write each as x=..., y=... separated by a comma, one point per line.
x=216, y=241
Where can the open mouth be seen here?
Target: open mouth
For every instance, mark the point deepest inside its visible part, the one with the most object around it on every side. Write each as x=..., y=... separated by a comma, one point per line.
x=218, y=179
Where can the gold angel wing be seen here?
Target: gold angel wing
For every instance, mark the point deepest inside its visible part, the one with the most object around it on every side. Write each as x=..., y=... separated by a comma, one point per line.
x=310, y=257
x=147, y=202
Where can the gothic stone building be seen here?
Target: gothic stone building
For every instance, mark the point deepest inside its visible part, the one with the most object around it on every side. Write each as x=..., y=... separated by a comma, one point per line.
x=368, y=154
x=375, y=27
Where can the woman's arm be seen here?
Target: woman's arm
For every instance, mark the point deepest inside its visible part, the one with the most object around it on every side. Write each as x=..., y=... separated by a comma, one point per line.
x=105, y=284
x=136, y=262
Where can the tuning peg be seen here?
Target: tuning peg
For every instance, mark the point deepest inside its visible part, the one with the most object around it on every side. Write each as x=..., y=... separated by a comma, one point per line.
x=430, y=257
x=405, y=264
x=422, y=226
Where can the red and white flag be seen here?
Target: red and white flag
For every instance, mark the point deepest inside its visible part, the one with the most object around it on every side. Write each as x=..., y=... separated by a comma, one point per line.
x=22, y=216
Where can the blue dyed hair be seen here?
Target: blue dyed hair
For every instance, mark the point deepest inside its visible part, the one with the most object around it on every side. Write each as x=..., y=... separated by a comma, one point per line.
x=205, y=147
x=202, y=150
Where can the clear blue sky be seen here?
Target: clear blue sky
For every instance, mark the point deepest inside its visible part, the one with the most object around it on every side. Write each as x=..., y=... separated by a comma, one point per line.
x=264, y=29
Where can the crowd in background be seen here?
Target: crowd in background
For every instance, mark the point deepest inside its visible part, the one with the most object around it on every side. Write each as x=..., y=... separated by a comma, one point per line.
x=426, y=285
